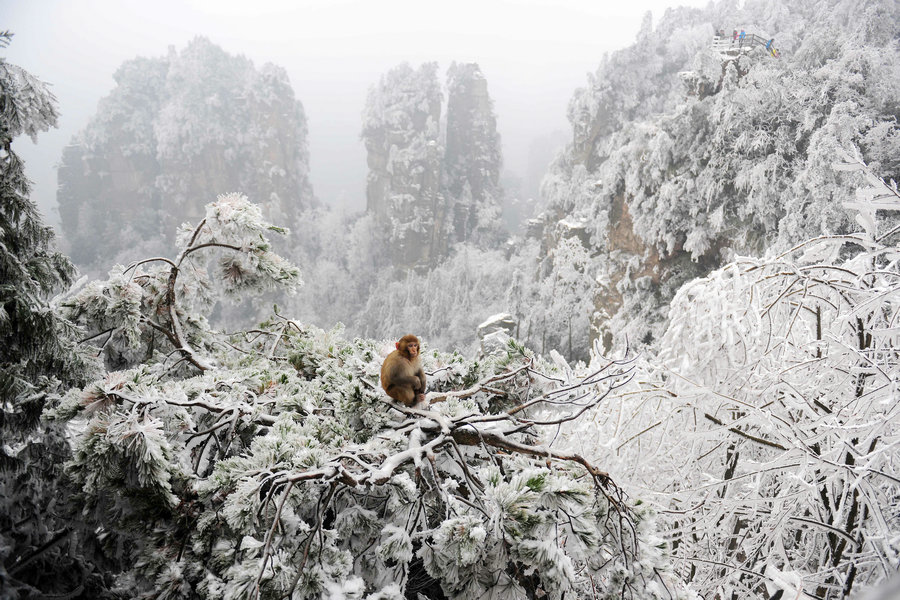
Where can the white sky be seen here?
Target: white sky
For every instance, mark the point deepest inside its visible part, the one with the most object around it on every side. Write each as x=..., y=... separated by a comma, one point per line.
x=534, y=53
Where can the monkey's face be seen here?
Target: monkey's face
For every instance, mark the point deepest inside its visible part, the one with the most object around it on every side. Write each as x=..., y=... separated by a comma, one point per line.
x=409, y=346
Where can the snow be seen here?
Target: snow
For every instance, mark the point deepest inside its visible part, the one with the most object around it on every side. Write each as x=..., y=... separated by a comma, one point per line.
x=709, y=312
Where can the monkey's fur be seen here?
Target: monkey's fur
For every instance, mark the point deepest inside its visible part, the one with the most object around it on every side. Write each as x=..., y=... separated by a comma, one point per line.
x=402, y=376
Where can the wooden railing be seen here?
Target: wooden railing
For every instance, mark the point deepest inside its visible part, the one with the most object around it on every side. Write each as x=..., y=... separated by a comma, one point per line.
x=737, y=45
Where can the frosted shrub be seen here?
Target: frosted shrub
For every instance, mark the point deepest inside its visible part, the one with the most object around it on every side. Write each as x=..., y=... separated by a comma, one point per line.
x=765, y=429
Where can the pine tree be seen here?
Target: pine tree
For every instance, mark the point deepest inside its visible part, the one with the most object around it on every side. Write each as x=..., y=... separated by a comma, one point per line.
x=38, y=357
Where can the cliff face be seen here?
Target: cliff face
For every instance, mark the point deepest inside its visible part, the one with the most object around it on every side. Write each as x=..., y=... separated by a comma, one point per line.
x=401, y=131
x=430, y=186
x=669, y=182
x=173, y=134
x=472, y=158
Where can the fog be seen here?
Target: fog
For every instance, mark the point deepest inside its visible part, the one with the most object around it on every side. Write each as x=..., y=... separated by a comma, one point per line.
x=533, y=53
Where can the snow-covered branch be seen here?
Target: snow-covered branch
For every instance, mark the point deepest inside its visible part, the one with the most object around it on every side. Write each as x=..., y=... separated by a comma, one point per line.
x=138, y=304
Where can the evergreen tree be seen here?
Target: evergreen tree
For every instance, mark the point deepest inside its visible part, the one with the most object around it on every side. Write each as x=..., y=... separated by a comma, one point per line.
x=38, y=358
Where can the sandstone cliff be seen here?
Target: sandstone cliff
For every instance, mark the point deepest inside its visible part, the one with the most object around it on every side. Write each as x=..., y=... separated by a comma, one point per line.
x=429, y=185
x=174, y=133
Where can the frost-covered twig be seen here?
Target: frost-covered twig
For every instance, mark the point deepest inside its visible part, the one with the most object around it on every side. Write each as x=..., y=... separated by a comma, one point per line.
x=267, y=548
x=162, y=299
x=435, y=397
x=321, y=507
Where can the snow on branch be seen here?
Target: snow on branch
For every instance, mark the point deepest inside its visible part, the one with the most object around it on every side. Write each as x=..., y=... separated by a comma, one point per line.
x=140, y=304
x=764, y=428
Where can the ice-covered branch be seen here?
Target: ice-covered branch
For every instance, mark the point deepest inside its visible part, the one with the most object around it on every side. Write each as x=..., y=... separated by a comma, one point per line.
x=137, y=303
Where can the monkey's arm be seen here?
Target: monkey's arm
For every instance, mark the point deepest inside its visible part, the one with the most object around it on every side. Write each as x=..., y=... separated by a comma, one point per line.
x=402, y=380
x=421, y=375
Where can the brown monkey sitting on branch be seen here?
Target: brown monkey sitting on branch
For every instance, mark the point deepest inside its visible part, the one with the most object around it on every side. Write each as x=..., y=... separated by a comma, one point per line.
x=402, y=376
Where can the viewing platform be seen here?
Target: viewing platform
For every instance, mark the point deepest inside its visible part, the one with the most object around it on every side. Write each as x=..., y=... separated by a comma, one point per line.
x=731, y=45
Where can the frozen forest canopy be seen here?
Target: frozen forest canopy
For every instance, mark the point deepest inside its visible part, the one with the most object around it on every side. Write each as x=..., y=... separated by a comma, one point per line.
x=667, y=181
x=688, y=388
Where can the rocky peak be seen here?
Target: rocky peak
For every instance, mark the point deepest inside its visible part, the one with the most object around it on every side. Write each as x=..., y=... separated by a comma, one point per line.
x=174, y=133
x=401, y=131
x=472, y=157
x=427, y=187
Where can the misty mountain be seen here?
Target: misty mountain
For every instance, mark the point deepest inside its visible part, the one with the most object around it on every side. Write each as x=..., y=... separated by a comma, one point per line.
x=433, y=177
x=682, y=156
x=174, y=133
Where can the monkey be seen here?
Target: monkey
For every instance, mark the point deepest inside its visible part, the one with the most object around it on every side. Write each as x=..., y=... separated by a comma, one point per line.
x=402, y=376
